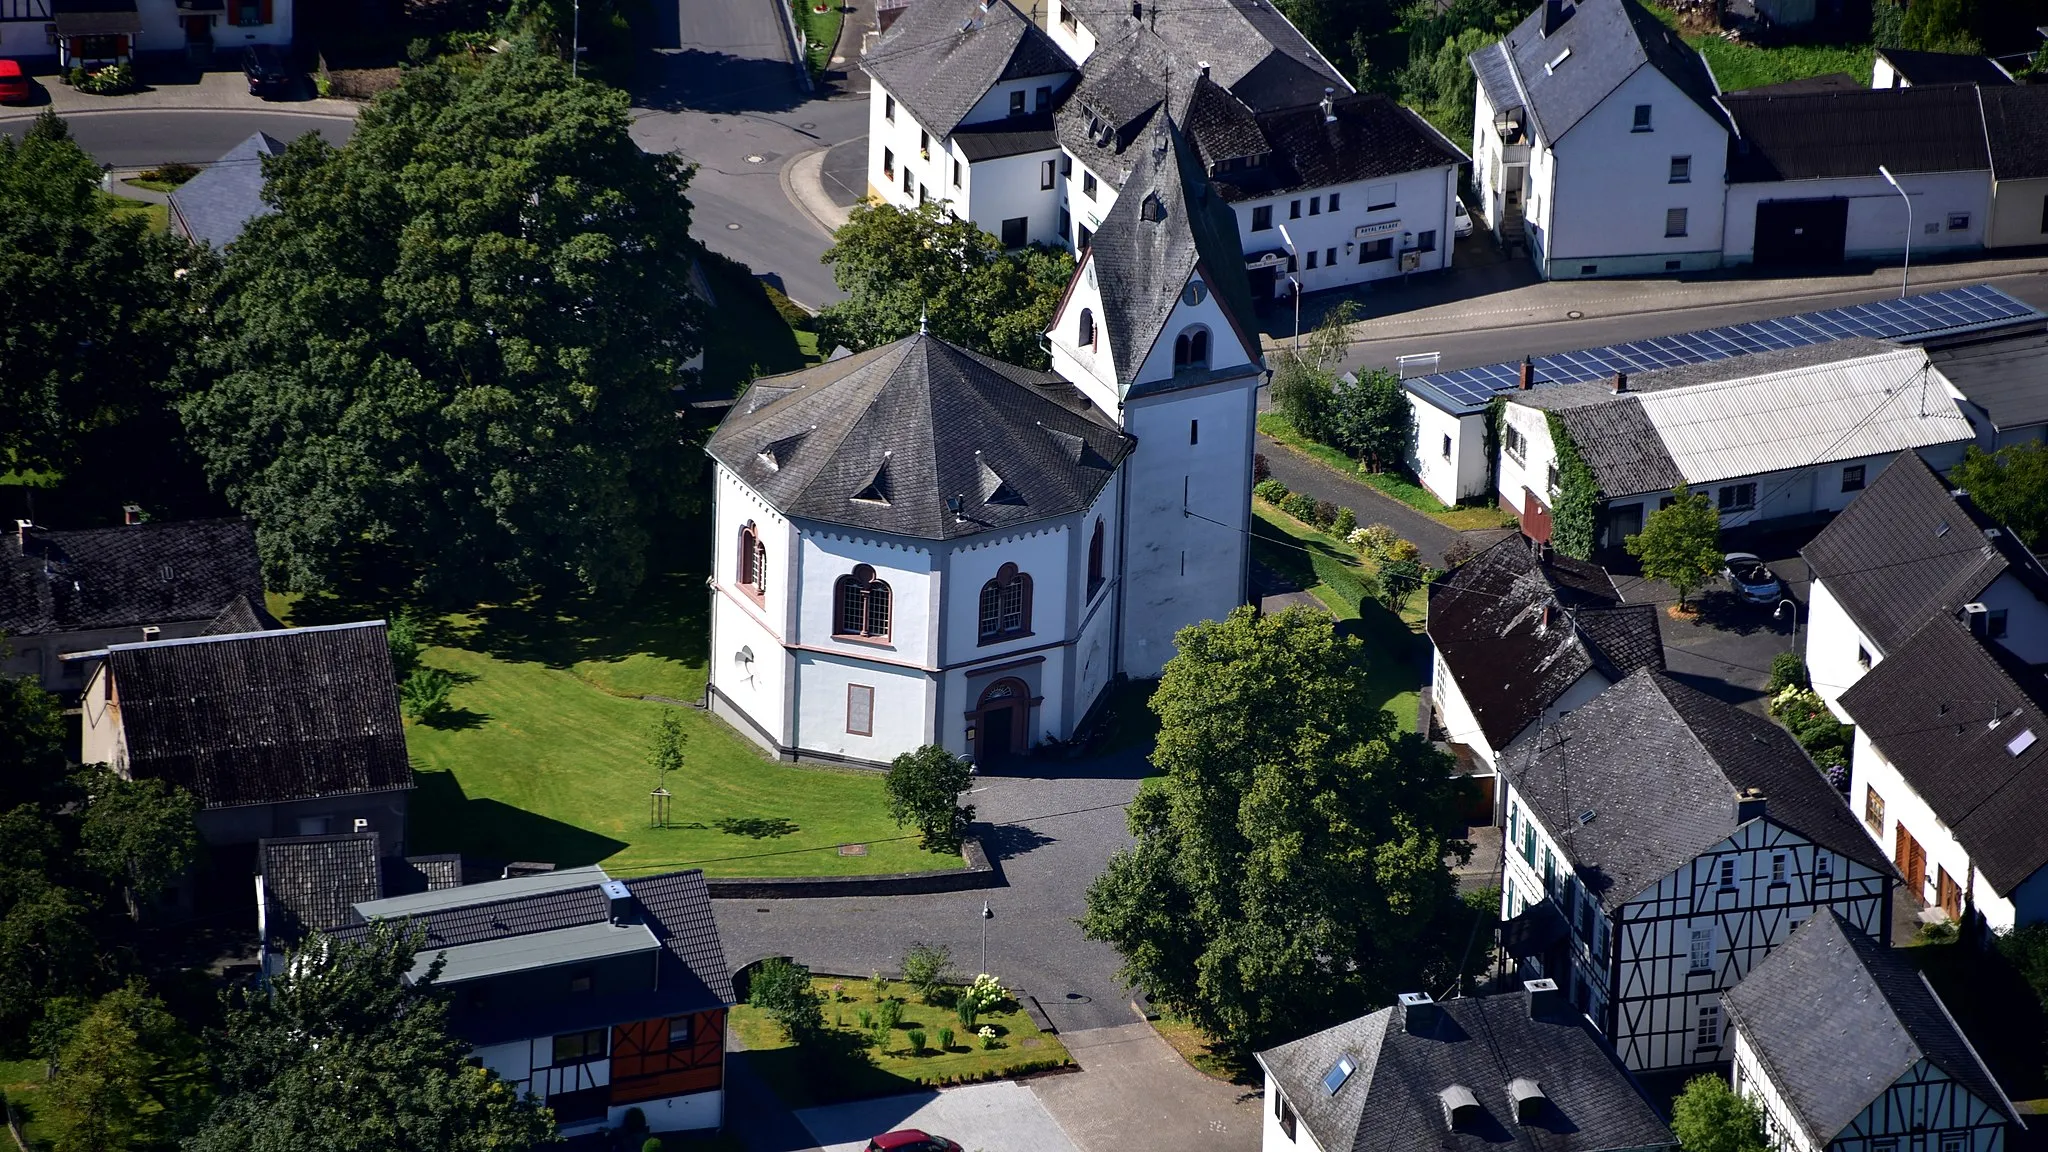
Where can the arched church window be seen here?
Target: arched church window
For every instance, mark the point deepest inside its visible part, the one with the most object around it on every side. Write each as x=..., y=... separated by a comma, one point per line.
x=1095, y=546
x=1191, y=349
x=753, y=561
x=1005, y=605
x=862, y=605
x=1087, y=328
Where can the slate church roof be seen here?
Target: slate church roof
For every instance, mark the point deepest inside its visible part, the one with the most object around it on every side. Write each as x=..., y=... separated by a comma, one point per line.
x=1908, y=548
x=1835, y=1018
x=940, y=57
x=884, y=439
x=1410, y=1062
x=125, y=576
x=1643, y=777
x=217, y=204
x=1963, y=722
x=1516, y=632
x=1250, y=47
x=264, y=717
x=1166, y=222
x=1569, y=71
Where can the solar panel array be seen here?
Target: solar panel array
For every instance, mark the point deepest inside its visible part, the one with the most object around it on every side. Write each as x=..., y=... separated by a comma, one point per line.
x=1921, y=317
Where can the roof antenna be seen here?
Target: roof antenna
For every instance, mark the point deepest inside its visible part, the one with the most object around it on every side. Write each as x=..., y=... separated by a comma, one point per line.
x=920, y=320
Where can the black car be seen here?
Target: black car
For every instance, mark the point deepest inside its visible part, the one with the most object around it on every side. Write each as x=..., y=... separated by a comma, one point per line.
x=268, y=75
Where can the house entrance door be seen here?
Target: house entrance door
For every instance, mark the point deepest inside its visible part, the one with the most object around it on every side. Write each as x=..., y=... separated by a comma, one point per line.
x=1912, y=861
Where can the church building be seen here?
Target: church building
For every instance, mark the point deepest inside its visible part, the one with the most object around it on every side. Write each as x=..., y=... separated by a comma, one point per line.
x=919, y=544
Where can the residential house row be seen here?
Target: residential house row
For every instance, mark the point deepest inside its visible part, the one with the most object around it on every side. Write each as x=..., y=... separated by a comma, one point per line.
x=1604, y=146
x=93, y=33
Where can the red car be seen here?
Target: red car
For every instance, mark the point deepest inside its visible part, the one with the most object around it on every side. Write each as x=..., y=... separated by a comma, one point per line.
x=14, y=85
x=911, y=1140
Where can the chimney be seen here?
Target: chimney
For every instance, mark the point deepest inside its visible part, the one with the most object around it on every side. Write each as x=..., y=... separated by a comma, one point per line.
x=1417, y=1013
x=1554, y=12
x=1204, y=66
x=1620, y=383
x=131, y=513
x=21, y=528
x=1547, y=607
x=1329, y=106
x=1528, y=379
x=621, y=899
x=1544, y=999
x=1978, y=616
x=1137, y=9
x=151, y=633
x=1749, y=805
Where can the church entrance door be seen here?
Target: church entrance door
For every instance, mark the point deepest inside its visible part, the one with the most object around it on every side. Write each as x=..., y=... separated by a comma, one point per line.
x=1002, y=715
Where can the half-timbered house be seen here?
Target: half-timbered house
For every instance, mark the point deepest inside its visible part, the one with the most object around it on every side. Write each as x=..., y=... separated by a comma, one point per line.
x=596, y=995
x=1846, y=1048
x=1660, y=844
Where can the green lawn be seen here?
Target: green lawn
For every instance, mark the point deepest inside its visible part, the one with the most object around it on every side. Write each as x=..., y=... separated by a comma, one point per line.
x=1739, y=65
x=544, y=754
x=1336, y=575
x=22, y=1082
x=1396, y=485
x=158, y=216
x=820, y=29
x=844, y=1065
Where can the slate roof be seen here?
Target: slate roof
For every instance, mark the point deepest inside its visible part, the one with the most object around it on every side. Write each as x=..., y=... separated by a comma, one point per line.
x=214, y=206
x=675, y=907
x=1249, y=46
x=1948, y=710
x=1372, y=137
x=2006, y=377
x=1923, y=69
x=1823, y=135
x=313, y=883
x=2016, y=126
x=1660, y=766
x=266, y=717
x=1487, y=620
x=1908, y=548
x=1390, y=1102
x=1014, y=136
x=1622, y=447
x=415, y=874
x=1125, y=88
x=128, y=576
x=1609, y=41
x=940, y=57
x=1142, y=259
x=240, y=616
x=882, y=439
x=1835, y=1018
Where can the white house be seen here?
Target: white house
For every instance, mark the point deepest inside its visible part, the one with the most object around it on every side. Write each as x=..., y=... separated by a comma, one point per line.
x=1907, y=550
x=1521, y=635
x=1767, y=436
x=1469, y=1074
x=1597, y=141
x=1949, y=772
x=105, y=31
x=1660, y=843
x=1846, y=1048
x=917, y=544
x=1905, y=68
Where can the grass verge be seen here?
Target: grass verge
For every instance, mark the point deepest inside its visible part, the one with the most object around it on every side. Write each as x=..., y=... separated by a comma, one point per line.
x=1333, y=574
x=157, y=216
x=820, y=26
x=844, y=1065
x=1395, y=485
x=21, y=1082
x=1195, y=1047
x=1739, y=64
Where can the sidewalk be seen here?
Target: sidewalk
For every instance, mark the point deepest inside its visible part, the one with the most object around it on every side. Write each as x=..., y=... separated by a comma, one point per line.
x=1463, y=299
x=209, y=92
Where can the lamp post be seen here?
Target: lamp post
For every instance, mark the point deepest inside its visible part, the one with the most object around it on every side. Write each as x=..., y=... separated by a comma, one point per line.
x=987, y=914
x=1905, y=269
x=1297, y=313
x=575, y=34
x=1789, y=605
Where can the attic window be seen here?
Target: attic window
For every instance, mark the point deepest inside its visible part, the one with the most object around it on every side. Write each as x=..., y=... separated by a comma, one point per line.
x=1153, y=209
x=2021, y=742
x=1560, y=58
x=994, y=489
x=1338, y=1074
x=1528, y=1099
x=876, y=490
x=1461, y=1108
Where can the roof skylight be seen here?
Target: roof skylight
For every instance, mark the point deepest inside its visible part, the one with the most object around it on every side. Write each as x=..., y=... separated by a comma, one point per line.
x=1338, y=1074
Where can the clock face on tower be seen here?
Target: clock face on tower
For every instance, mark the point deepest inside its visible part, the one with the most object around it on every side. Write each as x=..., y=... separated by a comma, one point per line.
x=1194, y=293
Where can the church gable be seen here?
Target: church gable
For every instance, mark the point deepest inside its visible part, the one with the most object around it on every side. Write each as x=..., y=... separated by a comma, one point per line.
x=1199, y=334
x=1081, y=353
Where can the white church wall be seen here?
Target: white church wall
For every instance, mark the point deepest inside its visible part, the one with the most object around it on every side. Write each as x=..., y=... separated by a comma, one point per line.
x=1226, y=350
x=831, y=691
x=1090, y=367
x=1095, y=644
x=748, y=665
x=1041, y=552
x=826, y=556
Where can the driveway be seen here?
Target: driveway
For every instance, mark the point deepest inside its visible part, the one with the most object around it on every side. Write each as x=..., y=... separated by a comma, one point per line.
x=1050, y=836
x=1135, y=1094
x=1000, y=1117
x=1373, y=506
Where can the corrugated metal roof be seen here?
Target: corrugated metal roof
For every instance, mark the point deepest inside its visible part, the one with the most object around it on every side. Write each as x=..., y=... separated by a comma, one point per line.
x=580, y=944
x=421, y=903
x=1806, y=416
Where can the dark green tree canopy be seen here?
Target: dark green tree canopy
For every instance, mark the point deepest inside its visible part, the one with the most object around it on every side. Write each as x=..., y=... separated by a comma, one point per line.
x=924, y=790
x=2010, y=486
x=454, y=341
x=1290, y=866
x=1680, y=544
x=1709, y=1117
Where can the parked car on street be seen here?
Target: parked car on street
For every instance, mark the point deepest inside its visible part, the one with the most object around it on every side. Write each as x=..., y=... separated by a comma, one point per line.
x=14, y=83
x=1751, y=578
x=269, y=76
x=911, y=1140
x=1461, y=220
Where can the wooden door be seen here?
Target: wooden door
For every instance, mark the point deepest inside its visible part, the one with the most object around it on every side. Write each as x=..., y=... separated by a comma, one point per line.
x=1912, y=861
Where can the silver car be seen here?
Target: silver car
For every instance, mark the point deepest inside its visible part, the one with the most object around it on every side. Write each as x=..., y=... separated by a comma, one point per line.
x=1751, y=578
x=1461, y=220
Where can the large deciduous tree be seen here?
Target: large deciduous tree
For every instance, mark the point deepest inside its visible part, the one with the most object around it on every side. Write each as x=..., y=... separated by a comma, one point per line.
x=1290, y=866
x=2011, y=486
x=454, y=342
x=340, y=1052
x=1709, y=1117
x=904, y=267
x=129, y=1077
x=1680, y=544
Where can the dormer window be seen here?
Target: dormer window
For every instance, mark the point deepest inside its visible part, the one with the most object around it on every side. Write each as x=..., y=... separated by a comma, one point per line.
x=1461, y=1108
x=1191, y=349
x=1527, y=1097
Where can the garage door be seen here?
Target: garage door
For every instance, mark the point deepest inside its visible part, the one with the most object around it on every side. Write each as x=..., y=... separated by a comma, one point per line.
x=1801, y=231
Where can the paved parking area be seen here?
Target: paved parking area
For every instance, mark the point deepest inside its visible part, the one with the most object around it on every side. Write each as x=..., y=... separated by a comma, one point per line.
x=1000, y=1117
x=1135, y=1094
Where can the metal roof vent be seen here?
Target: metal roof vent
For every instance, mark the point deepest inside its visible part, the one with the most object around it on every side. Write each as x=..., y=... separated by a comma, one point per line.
x=1461, y=1108
x=620, y=898
x=1329, y=106
x=1527, y=1099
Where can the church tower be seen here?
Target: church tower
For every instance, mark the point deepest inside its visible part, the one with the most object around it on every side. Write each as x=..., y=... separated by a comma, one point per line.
x=1156, y=329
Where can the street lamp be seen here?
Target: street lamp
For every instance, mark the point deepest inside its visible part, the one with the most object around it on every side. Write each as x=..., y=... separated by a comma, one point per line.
x=987, y=914
x=1297, y=313
x=575, y=34
x=1906, y=269
x=1792, y=606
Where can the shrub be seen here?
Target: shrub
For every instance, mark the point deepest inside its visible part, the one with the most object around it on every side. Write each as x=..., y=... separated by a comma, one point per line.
x=927, y=968
x=784, y=991
x=1787, y=671
x=986, y=993
x=1403, y=550
x=889, y=1014
x=917, y=1041
x=880, y=984
x=1301, y=506
x=1260, y=468
x=1344, y=523
x=2027, y=950
x=866, y=1018
x=967, y=1010
x=176, y=172
x=1271, y=491
x=791, y=312
x=651, y=1144
x=425, y=693
x=1325, y=514
x=1375, y=539
x=1398, y=581
x=105, y=81
x=402, y=636
x=945, y=1039
x=924, y=789
x=988, y=1037
x=1460, y=551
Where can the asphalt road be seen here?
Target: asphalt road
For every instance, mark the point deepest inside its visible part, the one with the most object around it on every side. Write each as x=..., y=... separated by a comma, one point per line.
x=1483, y=344
x=141, y=137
